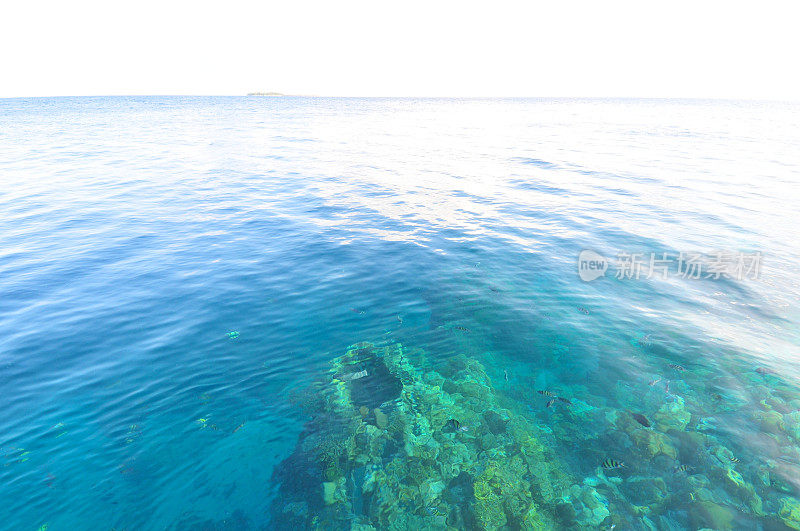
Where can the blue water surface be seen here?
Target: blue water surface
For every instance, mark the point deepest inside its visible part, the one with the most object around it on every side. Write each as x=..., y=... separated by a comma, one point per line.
x=173, y=269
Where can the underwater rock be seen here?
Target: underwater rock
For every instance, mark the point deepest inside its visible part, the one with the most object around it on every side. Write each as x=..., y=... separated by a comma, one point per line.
x=672, y=416
x=646, y=494
x=735, y=484
x=707, y=514
x=653, y=443
x=589, y=506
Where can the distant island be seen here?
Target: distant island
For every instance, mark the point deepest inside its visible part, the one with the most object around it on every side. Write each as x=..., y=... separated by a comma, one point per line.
x=265, y=94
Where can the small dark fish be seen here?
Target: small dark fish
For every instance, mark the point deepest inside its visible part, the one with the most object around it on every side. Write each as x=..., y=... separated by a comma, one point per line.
x=683, y=468
x=546, y=393
x=399, y=319
x=611, y=464
x=763, y=371
x=505, y=373
x=565, y=400
x=734, y=459
x=238, y=427
x=676, y=367
x=641, y=419
x=452, y=425
x=653, y=382
x=358, y=311
x=462, y=328
x=550, y=402
x=583, y=310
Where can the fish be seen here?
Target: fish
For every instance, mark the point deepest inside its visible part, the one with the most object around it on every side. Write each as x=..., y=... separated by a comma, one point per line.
x=583, y=310
x=567, y=401
x=641, y=419
x=399, y=319
x=653, y=382
x=763, y=371
x=611, y=464
x=546, y=393
x=237, y=428
x=550, y=402
x=452, y=425
x=359, y=311
x=462, y=328
x=505, y=373
x=734, y=459
x=683, y=468
x=676, y=367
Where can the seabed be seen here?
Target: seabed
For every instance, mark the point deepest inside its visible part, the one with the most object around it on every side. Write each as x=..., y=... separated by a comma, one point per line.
x=390, y=445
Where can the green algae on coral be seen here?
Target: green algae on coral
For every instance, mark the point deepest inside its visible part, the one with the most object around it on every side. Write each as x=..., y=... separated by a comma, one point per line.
x=789, y=512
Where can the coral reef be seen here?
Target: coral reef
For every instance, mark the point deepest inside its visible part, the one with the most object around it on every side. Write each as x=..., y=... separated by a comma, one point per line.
x=393, y=443
x=404, y=448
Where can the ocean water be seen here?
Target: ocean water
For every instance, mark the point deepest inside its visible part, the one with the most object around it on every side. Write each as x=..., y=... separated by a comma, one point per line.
x=178, y=275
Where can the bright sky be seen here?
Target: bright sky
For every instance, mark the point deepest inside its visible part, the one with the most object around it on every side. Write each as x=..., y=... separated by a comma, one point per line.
x=721, y=49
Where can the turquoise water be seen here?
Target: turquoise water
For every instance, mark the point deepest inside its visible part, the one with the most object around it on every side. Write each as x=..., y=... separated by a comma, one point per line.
x=176, y=271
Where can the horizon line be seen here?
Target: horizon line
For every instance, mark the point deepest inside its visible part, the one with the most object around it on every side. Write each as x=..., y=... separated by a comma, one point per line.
x=475, y=97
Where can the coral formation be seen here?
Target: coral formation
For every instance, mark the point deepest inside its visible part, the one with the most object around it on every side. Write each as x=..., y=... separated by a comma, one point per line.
x=407, y=448
x=394, y=444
